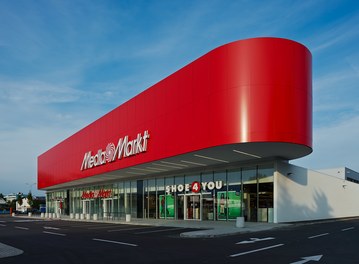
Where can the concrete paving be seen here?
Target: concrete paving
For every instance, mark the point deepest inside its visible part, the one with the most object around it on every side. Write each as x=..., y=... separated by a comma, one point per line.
x=208, y=229
x=228, y=230
x=9, y=251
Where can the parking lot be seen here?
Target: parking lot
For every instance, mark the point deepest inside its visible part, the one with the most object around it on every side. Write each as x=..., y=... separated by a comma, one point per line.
x=59, y=241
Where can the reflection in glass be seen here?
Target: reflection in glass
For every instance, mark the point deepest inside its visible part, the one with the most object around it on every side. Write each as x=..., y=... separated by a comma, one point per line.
x=265, y=193
x=249, y=179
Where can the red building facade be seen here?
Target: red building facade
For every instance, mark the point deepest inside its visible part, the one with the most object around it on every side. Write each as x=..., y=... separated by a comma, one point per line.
x=240, y=105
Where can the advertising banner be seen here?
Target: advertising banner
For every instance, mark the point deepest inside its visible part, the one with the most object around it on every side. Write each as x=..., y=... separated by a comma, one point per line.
x=228, y=203
x=167, y=206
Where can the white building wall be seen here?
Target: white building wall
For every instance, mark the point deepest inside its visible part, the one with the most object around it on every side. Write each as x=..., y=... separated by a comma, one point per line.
x=342, y=172
x=24, y=206
x=336, y=172
x=302, y=194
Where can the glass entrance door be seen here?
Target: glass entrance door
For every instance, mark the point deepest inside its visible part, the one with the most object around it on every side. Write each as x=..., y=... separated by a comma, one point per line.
x=107, y=208
x=207, y=206
x=180, y=207
x=58, y=207
x=86, y=207
x=192, y=207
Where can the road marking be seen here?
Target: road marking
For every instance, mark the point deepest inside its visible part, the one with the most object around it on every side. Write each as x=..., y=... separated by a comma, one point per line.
x=307, y=259
x=9, y=251
x=115, y=242
x=318, y=235
x=84, y=225
x=128, y=229
x=23, y=228
x=253, y=240
x=161, y=230
x=2, y=225
x=1, y=221
x=50, y=227
x=52, y=233
x=346, y=229
x=27, y=221
x=256, y=250
x=102, y=227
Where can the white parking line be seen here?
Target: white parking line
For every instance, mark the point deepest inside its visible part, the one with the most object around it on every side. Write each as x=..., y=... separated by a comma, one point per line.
x=27, y=221
x=346, y=229
x=254, y=240
x=23, y=228
x=84, y=225
x=256, y=250
x=52, y=233
x=318, y=235
x=2, y=225
x=161, y=230
x=102, y=227
x=128, y=229
x=115, y=242
x=50, y=227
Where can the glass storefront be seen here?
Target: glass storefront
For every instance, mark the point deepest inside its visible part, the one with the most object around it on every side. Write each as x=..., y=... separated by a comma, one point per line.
x=209, y=196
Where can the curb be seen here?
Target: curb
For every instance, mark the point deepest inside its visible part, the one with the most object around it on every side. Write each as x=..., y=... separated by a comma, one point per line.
x=212, y=233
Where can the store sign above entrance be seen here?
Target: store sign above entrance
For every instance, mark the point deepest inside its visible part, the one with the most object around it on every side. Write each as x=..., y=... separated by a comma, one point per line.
x=195, y=187
x=125, y=148
x=96, y=194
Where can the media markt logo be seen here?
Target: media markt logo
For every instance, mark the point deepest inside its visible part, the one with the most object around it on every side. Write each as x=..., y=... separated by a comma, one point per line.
x=125, y=148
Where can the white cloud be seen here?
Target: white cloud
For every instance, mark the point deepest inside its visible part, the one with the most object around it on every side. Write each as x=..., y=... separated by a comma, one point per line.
x=36, y=116
x=334, y=78
x=337, y=32
x=334, y=146
x=335, y=96
x=21, y=147
x=352, y=60
x=36, y=92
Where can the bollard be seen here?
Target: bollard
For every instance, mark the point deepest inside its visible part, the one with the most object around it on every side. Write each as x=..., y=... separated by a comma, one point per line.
x=77, y=216
x=82, y=216
x=95, y=217
x=128, y=218
x=71, y=216
x=88, y=217
x=42, y=215
x=240, y=222
x=29, y=214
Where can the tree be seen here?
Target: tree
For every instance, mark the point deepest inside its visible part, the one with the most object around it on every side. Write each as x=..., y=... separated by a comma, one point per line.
x=1, y=196
x=12, y=204
x=30, y=199
x=36, y=203
x=19, y=199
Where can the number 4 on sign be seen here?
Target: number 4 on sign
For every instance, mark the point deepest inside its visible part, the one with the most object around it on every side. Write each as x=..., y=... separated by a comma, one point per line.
x=196, y=187
x=307, y=259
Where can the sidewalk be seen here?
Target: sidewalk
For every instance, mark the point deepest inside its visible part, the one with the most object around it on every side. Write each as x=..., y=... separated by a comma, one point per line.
x=231, y=229
x=209, y=229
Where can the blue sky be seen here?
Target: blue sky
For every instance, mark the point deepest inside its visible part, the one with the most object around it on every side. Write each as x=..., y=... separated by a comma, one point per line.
x=63, y=64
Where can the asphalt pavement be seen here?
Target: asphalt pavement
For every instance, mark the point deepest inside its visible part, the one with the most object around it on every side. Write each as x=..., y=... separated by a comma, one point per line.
x=40, y=240
x=208, y=229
